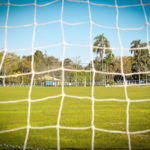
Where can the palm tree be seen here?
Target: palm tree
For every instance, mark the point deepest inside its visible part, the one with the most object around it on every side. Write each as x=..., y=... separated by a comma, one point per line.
x=136, y=54
x=145, y=57
x=135, y=44
x=101, y=46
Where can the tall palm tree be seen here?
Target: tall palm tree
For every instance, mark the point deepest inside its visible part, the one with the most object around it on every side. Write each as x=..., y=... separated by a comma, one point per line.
x=136, y=54
x=135, y=44
x=145, y=57
x=101, y=46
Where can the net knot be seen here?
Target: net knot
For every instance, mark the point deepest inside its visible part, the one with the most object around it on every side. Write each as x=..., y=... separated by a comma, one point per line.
x=63, y=94
x=93, y=127
x=57, y=126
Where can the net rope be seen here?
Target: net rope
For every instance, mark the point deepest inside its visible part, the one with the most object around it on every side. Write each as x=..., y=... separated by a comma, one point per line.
x=63, y=69
x=32, y=79
x=124, y=78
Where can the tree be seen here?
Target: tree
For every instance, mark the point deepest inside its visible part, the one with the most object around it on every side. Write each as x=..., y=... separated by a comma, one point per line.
x=136, y=44
x=101, y=46
x=39, y=61
x=127, y=64
x=10, y=66
x=145, y=60
x=25, y=64
x=68, y=63
x=140, y=59
x=11, y=63
x=109, y=61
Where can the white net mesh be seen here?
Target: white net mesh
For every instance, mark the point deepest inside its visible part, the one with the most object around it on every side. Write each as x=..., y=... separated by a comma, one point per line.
x=64, y=43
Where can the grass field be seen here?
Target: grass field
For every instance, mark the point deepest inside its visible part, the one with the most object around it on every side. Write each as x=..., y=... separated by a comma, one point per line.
x=109, y=115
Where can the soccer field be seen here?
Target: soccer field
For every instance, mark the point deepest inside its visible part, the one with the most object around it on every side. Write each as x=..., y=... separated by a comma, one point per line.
x=108, y=115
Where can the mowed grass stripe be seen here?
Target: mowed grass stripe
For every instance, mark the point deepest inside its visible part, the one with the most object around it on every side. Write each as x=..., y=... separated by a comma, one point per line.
x=100, y=92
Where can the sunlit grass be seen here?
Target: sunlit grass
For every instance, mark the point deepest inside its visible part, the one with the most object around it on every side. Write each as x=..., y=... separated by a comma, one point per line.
x=75, y=113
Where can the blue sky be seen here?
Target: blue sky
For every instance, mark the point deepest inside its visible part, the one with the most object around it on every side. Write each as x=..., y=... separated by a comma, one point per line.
x=18, y=38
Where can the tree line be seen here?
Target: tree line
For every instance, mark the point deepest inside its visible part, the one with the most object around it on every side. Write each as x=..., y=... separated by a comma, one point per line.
x=138, y=62
x=105, y=61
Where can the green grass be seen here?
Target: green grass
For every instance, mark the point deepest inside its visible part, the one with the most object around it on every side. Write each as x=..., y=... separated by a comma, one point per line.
x=75, y=113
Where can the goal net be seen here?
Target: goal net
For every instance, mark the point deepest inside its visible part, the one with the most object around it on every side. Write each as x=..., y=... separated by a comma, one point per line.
x=106, y=66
